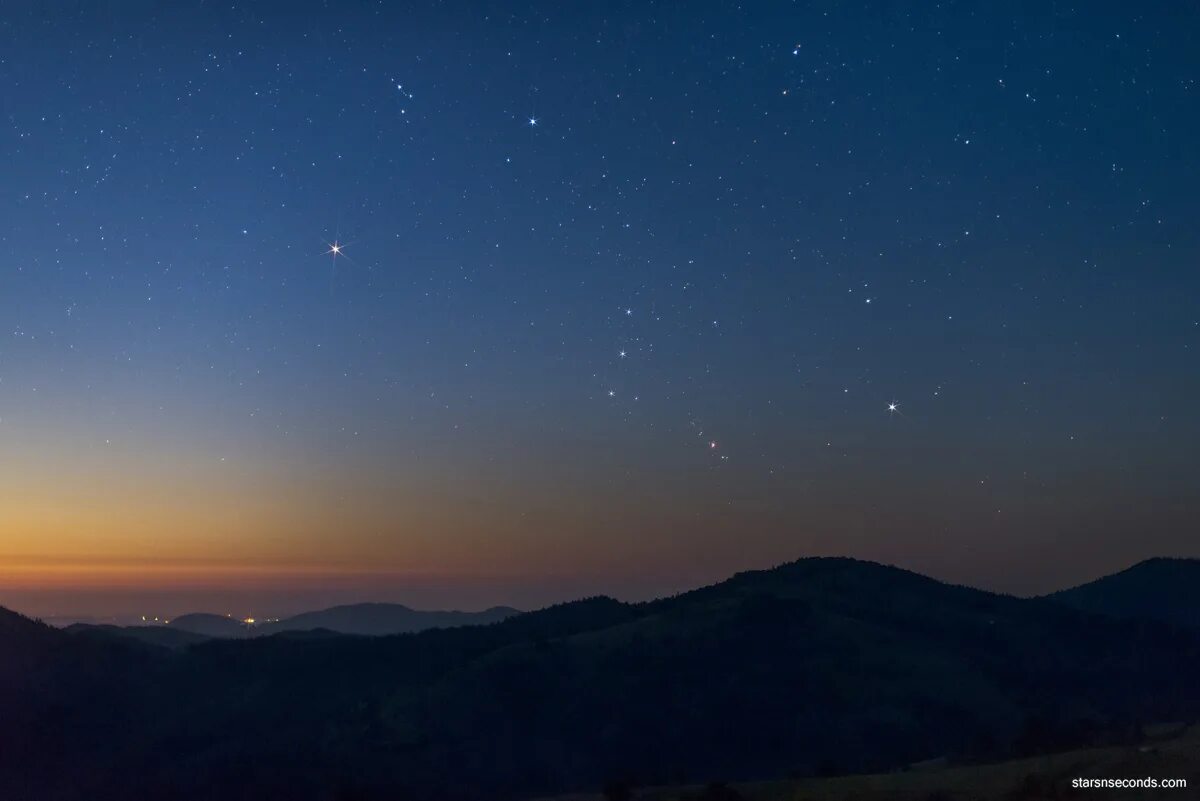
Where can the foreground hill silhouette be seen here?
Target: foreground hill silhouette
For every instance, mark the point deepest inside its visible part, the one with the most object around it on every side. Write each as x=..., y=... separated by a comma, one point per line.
x=818, y=666
x=1167, y=590
x=1164, y=752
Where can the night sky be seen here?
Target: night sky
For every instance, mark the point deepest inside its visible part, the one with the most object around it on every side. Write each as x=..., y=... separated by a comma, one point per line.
x=508, y=303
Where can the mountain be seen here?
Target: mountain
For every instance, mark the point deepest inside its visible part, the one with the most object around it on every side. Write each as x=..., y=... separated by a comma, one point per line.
x=210, y=625
x=1166, y=590
x=165, y=636
x=19, y=626
x=373, y=619
x=68, y=695
x=817, y=666
x=24, y=643
x=378, y=619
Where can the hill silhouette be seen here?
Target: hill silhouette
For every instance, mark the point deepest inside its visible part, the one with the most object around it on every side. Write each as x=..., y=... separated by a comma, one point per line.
x=378, y=619
x=370, y=619
x=210, y=625
x=164, y=636
x=817, y=666
x=1166, y=590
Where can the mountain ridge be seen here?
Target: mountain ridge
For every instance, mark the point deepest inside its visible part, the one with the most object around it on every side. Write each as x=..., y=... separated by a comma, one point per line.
x=1163, y=589
x=370, y=618
x=812, y=666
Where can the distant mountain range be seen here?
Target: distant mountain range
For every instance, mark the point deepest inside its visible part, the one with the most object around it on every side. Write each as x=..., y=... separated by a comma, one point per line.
x=817, y=666
x=368, y=619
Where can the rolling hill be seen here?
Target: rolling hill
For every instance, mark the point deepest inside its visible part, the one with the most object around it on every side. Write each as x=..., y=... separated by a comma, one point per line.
x=370, y=619
x=210, y=625
x=1166, y=590
x=817, y=666
x=164, y=636
x=377, y=619
x=1168, y=755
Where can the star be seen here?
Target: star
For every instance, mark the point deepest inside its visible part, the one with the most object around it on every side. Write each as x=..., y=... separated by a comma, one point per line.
x=622, y=354
x=893, y=407
x=533, y=122
x=335, y=249
x=629, y=312
x=612, y=394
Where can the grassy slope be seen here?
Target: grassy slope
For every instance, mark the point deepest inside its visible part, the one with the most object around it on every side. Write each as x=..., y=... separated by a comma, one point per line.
x=1043, y=777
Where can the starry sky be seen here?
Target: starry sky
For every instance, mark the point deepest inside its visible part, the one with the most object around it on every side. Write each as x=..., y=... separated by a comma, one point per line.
x=473, y=303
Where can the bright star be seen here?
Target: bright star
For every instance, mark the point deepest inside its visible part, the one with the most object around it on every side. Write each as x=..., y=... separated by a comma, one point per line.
x=533, y=121
x=622, y=354
x=893, y=407
x=335, y=249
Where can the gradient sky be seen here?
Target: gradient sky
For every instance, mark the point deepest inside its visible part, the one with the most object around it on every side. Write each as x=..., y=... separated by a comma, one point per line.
x=624, y=296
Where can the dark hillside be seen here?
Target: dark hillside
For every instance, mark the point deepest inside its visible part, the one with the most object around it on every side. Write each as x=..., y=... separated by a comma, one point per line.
x=818, y=666
x=1166, y=590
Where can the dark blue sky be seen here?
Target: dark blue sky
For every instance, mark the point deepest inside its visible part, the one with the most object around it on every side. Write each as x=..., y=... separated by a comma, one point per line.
x=625, y=293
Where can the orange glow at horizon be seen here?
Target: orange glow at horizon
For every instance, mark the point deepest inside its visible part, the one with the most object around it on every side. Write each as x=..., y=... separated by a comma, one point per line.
x=153, y=514
x=176, y=515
